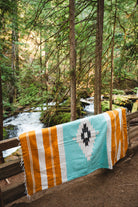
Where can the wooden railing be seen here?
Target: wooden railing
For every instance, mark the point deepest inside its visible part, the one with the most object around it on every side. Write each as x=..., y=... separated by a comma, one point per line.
x=132, y=124
x=17, y=190
x=11, y=168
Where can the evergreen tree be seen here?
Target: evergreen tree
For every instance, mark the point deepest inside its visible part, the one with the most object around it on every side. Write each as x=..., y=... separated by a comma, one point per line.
x=72, y=58
x=98, y=57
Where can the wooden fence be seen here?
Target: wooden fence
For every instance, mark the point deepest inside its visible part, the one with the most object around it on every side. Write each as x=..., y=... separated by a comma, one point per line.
x=11, y=168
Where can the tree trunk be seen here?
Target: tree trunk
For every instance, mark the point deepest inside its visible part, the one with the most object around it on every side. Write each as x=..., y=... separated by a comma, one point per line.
x=16, y=39
x=112, y=56
x=46, y=68
x=72, y=58
x=98, y=57
x=1, y=117
x=58, y=61
x=15, y=51
x=41, y=64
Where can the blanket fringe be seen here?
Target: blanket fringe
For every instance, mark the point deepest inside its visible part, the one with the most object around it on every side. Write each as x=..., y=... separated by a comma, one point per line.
x=23, y=169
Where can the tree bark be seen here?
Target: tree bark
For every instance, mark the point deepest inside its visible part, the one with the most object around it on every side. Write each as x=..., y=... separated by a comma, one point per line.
x=112, y=56
x=98, y=57
x=72, y=58
x=15, y=49
x=1, y=117
x=46, y=68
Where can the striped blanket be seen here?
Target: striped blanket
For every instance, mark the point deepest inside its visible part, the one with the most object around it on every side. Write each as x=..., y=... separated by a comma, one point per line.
x=64, y=152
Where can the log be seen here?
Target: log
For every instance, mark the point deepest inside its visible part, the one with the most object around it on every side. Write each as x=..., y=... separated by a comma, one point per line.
x=135, y=106
x=85, y=101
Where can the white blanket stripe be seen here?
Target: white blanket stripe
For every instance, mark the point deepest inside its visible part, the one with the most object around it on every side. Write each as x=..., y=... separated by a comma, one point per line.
x=42, y=161
x=115, y=137
x=61, y=153
x=52, y=158
x=108, y=141
x=119, y=149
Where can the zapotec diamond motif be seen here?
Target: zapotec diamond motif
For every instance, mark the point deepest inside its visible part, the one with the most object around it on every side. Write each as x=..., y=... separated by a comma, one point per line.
x=85, y=137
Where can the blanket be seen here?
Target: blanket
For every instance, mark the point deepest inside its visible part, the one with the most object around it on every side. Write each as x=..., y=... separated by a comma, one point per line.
x=67, y=151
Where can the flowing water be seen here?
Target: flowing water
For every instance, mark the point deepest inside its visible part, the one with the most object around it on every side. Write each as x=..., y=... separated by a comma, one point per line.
x=28, y=121
x=21, y=123
x=89, y=109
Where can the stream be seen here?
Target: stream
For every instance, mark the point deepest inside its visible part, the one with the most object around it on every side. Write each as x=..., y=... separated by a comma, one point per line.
x=28, y=121
x=19, y=124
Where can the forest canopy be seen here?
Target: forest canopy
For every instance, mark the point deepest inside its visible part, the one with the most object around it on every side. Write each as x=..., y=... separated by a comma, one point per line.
x=35, y=50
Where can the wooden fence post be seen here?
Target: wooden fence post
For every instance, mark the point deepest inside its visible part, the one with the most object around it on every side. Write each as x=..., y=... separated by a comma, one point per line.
x=1, y=199
x=1, y=158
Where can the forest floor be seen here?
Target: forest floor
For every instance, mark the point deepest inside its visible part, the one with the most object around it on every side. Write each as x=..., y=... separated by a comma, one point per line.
x=103, y=188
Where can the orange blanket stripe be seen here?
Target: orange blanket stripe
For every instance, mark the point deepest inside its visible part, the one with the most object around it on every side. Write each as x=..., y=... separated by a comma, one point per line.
x=36, y=167
x=48, y=157
x=56, y=155
x=29, y=180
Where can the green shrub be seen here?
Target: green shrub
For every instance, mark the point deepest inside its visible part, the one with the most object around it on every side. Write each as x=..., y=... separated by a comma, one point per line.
x=118, y=92
x=135, y=89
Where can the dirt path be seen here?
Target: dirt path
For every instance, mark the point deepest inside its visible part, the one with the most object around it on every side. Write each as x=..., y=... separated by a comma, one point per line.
x=103, y=188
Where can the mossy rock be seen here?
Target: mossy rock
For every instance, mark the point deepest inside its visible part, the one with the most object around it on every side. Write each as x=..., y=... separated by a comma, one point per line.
x=59, y=114
x=122, y=100
x=52, y=118
x=14, y=156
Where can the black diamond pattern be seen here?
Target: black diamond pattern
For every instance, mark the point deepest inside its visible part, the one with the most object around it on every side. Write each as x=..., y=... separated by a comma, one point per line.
x=85, y=135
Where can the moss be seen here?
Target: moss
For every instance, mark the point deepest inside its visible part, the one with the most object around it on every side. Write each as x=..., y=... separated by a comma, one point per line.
x=61, y=118
x=122, y=100
x=59, y=114
x=5, y=134
x=105, y=106
x=51, y=118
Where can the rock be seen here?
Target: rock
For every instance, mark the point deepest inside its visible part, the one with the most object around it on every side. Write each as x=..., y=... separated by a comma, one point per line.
x=15, y=155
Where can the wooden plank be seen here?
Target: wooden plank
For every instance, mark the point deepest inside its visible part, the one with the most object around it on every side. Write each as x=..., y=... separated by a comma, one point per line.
x=132, y=116
x=133, y=132
x=134, y=122
x=10, y=168
x=9, y=143
x=13, y=192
